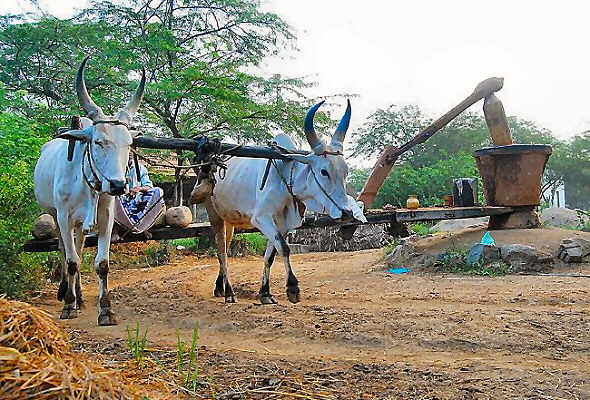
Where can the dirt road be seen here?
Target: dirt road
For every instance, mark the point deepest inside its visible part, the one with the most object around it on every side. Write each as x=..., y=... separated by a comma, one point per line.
x=362, y=332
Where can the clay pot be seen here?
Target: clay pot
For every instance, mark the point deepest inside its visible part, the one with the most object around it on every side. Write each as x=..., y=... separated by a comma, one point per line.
x=45, y=227
x=412, y=203
x=179, y=217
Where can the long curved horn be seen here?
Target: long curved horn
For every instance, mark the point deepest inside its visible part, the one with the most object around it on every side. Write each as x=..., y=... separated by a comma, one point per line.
x=317, y=145
x=93, y=111
x=127, y=112
x=337, y=142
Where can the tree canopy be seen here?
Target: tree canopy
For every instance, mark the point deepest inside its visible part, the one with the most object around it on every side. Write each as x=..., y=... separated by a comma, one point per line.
x=199, y=58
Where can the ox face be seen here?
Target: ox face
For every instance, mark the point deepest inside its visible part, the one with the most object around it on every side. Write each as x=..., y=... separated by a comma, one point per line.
x=109, y=139
x=323, y=189
x=110, y=146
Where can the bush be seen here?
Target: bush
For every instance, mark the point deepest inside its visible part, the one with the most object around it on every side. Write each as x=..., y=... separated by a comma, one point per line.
x=20, y=145
x=429, y=182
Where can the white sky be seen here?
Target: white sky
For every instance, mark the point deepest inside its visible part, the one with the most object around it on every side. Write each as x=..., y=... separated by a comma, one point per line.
x=433, y=53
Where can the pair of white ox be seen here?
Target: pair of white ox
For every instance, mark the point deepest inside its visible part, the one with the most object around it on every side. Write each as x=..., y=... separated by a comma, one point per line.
x=79, y=195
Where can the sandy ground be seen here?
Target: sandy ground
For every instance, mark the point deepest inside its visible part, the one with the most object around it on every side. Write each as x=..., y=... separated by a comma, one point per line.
x=360, y=332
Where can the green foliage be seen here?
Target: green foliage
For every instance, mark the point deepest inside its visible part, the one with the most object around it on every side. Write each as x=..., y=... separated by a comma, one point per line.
x=429, y=182
x=420, y=228
x=455, y=261
x=136, y=346
x=20, y=143
x=196, y=56
x=189, y=376
x=254, y=243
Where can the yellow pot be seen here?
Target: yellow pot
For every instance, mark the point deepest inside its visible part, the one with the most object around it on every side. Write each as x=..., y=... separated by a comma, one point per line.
x=412, y=203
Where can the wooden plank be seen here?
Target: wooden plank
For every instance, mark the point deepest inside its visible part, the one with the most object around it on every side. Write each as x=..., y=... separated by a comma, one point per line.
x=373, y=217
x=226, y=148
x=441, y=213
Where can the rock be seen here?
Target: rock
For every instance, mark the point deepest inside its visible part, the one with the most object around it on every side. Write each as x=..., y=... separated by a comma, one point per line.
x=560, y=217
x=451, y=225
x=482, y=253
x=573, y=250
x=523, y=219
x=179, y=217
x=402, y=252
x=44, y=227
x=521, y=258
x=160, y=222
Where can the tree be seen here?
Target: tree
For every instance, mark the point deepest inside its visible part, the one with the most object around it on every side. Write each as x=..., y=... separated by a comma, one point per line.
x=198, y=57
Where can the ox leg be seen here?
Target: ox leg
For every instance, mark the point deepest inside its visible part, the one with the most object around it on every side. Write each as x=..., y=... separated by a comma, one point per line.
x=101, y=263
x=222, y=232
x=72, y=263
x=270, y=230
x=80, y=238
x=63, y=279
x=269, y=256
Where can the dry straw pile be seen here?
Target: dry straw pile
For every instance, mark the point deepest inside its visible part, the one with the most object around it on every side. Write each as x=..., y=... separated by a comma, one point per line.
x=37, y=361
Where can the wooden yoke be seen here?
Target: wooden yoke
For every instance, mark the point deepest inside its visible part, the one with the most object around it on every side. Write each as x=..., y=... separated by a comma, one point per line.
x=390, y=154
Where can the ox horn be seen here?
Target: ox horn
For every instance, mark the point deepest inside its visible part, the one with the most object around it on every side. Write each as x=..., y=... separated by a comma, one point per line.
x=316, y=144
x=337, y=142
x=127, y=113
x=93, y=111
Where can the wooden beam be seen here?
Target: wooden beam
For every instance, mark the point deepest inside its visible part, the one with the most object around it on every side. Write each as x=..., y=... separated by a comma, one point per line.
x=373, y=217
x=226, y=148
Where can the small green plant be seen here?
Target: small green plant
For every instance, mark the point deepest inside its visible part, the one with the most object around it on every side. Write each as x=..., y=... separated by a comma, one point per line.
x=455, y=261
x=421, y=228
x=389, y=247
x=137, y=346
x=188, y=243
x=188, y=377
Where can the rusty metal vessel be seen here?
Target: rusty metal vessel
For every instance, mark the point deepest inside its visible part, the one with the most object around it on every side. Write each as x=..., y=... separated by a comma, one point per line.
x=512, y=174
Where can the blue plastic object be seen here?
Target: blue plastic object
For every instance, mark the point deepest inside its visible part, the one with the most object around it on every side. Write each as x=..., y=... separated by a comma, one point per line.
x=398, y=271
x=487, y=239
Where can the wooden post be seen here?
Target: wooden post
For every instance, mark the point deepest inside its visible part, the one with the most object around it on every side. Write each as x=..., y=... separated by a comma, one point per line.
x=496, y=121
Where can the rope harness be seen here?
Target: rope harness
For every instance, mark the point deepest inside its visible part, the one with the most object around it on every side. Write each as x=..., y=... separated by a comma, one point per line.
x=289, y=185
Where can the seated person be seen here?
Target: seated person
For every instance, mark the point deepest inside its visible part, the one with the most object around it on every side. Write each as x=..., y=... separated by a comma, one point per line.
x=138, y=210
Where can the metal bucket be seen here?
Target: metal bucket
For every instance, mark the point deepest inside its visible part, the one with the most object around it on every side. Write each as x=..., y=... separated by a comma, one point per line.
x=511, y=175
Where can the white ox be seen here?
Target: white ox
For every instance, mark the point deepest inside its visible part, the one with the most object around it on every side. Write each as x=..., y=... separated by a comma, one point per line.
x=79, y=193
x=315, y=181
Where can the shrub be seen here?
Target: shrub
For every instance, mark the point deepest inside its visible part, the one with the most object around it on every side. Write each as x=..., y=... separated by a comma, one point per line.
x=20, y=145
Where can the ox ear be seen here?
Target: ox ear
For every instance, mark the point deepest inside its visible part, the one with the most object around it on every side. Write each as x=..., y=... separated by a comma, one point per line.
x=82, y=136
x=134, y=133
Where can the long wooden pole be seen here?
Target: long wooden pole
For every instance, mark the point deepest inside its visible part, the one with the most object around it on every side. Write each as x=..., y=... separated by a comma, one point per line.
x=390, y=154
x=226, y=148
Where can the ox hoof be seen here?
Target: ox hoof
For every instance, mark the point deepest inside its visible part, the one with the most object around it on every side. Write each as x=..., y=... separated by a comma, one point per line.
x=80, y=305
x=68, y=313
x=107, y=318
x=267, y=299
x=230, y=299
x=293, y=294
x=218, y=293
